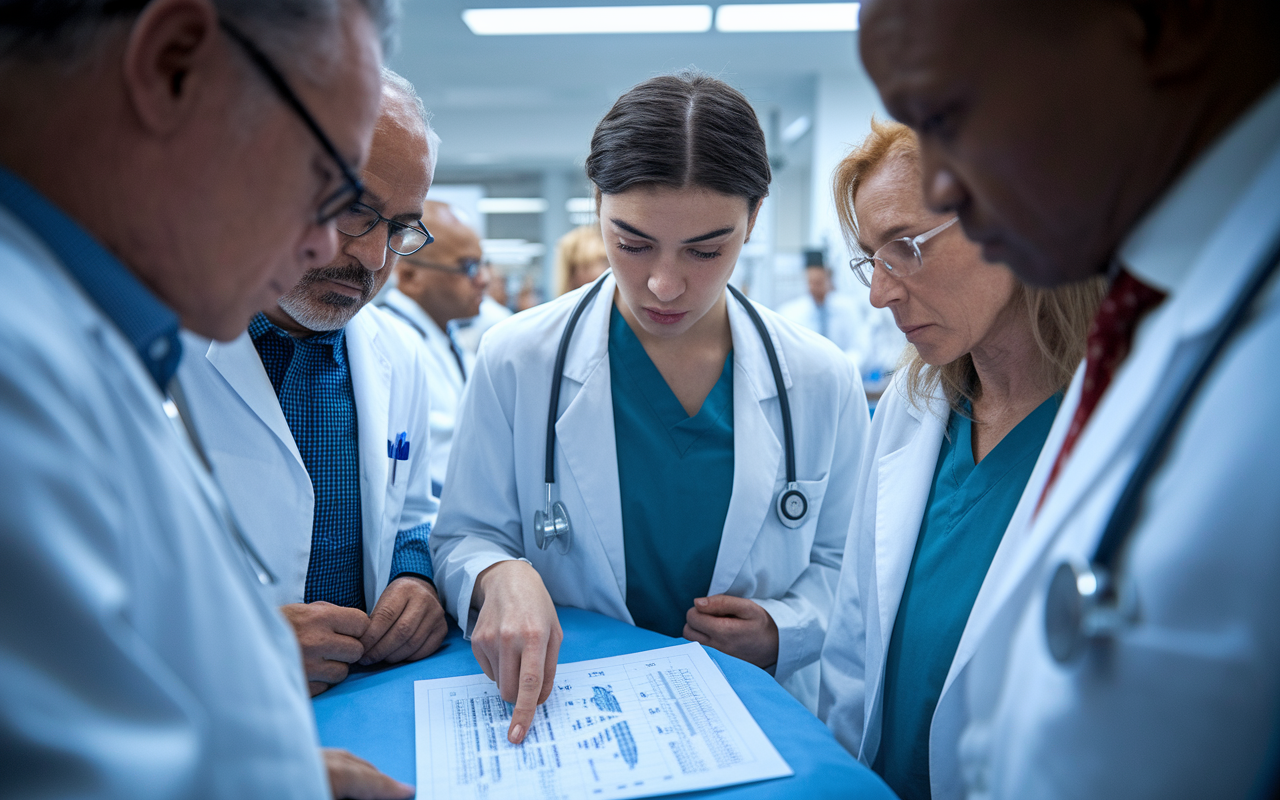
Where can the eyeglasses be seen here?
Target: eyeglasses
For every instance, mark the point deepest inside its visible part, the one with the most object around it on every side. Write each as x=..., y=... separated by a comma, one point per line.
x=358, y=219
x=351, y=189
x=899, y=256
x=469, y=267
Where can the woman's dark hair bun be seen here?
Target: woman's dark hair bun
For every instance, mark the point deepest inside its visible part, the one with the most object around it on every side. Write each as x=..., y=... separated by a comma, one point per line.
x=687, y=129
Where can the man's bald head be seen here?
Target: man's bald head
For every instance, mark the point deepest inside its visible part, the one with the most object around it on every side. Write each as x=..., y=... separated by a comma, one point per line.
x=436, y=276
x=1050, y=128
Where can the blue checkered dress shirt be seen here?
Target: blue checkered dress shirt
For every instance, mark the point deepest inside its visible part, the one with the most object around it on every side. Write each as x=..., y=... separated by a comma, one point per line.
x=312, y=380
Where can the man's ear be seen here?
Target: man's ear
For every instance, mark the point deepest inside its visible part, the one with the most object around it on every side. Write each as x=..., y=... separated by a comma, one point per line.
x=1180, y=36
x=168, y=61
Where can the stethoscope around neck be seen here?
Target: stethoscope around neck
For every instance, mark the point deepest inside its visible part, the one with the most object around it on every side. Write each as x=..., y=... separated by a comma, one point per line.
x=551, y=525
x=1087, y=602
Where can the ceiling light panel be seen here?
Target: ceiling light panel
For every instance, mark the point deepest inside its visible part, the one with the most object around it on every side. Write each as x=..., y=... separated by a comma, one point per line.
x=787, y=17
x=511, y=205
x=588, y=19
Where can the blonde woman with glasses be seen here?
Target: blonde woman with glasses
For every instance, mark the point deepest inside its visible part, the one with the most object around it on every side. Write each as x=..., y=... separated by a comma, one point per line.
x=951, y=448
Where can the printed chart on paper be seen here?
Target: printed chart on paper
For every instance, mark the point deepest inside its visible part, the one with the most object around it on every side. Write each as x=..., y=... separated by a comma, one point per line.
x=638, y=725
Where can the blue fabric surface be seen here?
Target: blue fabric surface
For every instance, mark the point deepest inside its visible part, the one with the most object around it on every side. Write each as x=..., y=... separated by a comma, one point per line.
x=312, y=379
x=675, y=478
x=371, y=713
x=149, y=325
x=966, y=516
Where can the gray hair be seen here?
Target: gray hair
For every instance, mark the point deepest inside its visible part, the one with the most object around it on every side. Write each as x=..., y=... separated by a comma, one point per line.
x=402, y=84
x=64, y=29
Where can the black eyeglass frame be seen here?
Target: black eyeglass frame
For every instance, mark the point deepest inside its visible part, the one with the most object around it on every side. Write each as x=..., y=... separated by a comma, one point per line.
x=471, y=269
x=352, y=189
x=392, y=226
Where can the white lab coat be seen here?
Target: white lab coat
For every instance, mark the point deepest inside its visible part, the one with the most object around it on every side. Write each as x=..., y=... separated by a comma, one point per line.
x=445, y=380
x=891, y=496
x=1183, y=703
x=496, y=473
x=248, y=441
x=137, y=658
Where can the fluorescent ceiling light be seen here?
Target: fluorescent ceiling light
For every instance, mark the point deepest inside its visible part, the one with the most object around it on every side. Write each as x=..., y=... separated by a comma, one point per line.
x=588, y=19
x=511, y=205
x=580, y=205
x=786, y=17
x=792, y=133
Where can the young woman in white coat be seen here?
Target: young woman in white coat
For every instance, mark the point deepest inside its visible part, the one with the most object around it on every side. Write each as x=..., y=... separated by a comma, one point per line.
x=952, y=445
x=670, y=452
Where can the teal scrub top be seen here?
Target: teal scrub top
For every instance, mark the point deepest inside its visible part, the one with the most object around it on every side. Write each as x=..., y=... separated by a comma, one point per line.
x=968, y=510
x=675, y=477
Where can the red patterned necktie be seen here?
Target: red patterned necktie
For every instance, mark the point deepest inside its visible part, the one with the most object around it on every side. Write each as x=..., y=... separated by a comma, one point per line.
x=1110, y=337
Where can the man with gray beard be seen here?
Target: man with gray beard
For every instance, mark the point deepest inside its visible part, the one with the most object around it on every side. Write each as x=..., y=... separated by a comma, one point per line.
x=315, y=424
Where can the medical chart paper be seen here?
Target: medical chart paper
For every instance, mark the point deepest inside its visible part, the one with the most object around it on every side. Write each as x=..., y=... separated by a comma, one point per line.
x=639, y=725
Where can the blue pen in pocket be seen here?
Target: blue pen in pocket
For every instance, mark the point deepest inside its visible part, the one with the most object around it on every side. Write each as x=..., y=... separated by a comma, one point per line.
x=398, y=451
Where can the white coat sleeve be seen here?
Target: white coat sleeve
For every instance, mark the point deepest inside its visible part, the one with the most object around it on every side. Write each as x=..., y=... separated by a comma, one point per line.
x=479, y=522
x=802, y=613
x=71, y=725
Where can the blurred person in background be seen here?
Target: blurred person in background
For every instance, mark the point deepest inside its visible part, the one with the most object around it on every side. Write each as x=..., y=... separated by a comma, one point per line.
x=139, y=657
x=470, y=330
x=580, y=258
x=442, y=282
x=866, y=334
x=296, y=416
x=952, y=445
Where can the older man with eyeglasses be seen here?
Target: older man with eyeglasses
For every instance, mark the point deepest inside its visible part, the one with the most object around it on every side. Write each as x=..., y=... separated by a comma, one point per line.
x=315, y=423
x=164, y=164
x=442, y=282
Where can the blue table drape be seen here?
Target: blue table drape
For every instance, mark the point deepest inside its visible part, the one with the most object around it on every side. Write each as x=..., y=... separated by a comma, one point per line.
x=371, y=713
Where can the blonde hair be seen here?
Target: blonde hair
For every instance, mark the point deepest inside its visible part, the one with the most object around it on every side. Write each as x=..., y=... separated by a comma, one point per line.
x=1059, y=317
x=579, y=247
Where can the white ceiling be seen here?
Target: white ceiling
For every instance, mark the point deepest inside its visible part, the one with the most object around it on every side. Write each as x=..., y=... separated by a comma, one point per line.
x=511, y=104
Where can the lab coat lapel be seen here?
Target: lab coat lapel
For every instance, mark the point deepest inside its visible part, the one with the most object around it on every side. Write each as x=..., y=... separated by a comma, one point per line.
x=240, y=365
x=757, y=450
x=371, y=387
x=585, y=435
x=903, y=480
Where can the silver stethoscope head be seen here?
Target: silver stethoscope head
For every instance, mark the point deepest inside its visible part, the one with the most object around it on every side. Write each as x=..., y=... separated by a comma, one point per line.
x=551, y=526
x=792, y=506
x=1081, y=608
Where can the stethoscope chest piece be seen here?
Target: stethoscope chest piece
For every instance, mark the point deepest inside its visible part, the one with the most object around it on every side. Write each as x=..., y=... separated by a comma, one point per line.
x=1073, y=596
x=551, y=526
x=792, y=506
x=1082, y=607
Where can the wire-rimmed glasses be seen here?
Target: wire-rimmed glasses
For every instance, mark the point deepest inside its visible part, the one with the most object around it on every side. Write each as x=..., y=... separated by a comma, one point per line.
x=351, y=189
x=357, y=219
x=899, y=256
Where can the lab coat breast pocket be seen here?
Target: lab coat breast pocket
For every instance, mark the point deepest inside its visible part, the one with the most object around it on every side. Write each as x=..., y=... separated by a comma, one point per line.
x=782, y=553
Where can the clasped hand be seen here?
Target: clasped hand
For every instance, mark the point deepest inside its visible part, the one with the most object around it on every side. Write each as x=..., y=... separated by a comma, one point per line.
x=734, y=625
x=406, y=624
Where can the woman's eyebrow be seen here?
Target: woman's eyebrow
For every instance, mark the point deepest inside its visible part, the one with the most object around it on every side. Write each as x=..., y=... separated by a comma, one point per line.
x=706, y=236
x=631, y=230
